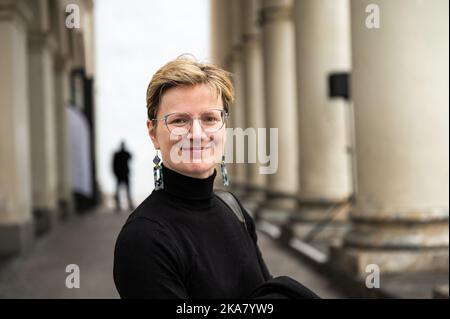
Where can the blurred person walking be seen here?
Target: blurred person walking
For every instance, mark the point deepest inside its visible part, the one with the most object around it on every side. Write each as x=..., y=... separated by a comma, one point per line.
x=121, y=171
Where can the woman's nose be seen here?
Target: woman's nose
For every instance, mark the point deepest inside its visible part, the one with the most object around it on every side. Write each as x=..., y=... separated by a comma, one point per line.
x=196, y=131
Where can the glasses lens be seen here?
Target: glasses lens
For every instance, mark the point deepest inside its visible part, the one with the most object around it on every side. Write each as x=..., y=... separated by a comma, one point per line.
x=212, y=120
x=178, y=123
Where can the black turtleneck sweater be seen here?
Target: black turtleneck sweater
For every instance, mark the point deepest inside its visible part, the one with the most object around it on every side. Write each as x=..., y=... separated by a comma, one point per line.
x=184, y=242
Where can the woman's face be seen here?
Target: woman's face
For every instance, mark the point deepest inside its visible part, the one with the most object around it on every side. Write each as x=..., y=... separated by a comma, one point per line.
x=195, y=152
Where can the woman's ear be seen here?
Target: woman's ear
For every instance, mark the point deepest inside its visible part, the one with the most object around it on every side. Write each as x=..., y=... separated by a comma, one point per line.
x=152, y=133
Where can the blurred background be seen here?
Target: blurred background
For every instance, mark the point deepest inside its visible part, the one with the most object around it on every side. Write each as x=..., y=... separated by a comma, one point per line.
x=358, y=93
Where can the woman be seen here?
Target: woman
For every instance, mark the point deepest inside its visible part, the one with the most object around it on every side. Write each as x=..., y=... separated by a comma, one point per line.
x=183, y=241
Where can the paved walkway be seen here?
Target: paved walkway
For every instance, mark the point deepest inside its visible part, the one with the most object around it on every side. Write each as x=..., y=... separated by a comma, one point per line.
x=88, y=241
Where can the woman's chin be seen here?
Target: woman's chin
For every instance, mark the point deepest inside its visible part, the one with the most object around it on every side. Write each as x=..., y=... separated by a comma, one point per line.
x=198, y=170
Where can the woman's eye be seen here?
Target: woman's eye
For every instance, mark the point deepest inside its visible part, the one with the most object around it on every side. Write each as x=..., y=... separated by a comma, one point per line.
x=210, y=119
x=178, y=121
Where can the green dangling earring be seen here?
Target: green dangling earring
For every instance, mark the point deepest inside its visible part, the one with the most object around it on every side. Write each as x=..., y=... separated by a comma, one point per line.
x=158, y=172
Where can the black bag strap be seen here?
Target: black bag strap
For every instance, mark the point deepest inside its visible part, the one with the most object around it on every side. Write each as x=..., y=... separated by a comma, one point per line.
x=229, y=200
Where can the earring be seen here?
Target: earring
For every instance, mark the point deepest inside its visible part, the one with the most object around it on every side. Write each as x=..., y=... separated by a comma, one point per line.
x=158, y=173
x=223, y=170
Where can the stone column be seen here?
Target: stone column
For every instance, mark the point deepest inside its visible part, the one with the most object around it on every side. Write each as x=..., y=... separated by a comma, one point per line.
x=41, y=46
x=62, y=99
x=218, y=28
x=238, y=109
x=16, y=231
x=400, y=85
x=323, y=48
x=221, y=53
x=254, y=97
x=281, y=95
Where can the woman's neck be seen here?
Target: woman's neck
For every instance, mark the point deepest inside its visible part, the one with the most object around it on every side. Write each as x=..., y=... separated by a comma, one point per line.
x=188, y=187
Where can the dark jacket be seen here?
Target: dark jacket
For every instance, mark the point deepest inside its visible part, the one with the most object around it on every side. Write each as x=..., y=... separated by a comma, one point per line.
x=282, y=287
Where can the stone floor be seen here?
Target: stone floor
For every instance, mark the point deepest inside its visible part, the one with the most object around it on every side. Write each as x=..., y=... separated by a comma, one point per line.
x=406, y=285
x=88, y=241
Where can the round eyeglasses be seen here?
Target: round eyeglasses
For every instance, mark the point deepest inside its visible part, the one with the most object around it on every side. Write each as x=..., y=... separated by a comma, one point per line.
x=180, y=123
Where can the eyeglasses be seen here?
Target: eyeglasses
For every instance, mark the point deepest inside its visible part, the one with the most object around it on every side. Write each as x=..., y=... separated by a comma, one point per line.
x=180, y=123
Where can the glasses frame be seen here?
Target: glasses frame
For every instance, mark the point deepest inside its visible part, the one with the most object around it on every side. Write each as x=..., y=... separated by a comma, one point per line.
x=224, y=113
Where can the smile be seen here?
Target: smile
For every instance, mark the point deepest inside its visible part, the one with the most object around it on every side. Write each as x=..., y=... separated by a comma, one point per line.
x=196, y=148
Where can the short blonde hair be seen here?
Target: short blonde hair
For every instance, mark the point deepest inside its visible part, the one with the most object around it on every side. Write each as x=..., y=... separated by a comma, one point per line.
x=186, y=71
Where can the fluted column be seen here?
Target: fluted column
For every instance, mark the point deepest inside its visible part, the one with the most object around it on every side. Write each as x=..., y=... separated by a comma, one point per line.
x=238, y=109
x=400, y=85
x=62, y=68
x=16, y=231
x=220, y=52
x=218, y=28
x=323, y=48
x=281, y=94
x=41, y=46
x=254, y=85
x=62, y=98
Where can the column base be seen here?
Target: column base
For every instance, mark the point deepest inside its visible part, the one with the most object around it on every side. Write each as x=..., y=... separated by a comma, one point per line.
x=66, y=209
x=254, y=195
x=287, y=204
x=337, y=212
x=321, y=222
x=274, y=215
x=331, y=233
x=355, y=260
x=44, y=220
x=440, y=292
x=16, y=239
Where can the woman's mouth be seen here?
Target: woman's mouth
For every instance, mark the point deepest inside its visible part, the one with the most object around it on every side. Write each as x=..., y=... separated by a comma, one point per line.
x=196, y=149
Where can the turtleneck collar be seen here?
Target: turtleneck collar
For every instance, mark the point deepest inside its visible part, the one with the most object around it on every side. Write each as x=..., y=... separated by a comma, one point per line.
x=188, y=187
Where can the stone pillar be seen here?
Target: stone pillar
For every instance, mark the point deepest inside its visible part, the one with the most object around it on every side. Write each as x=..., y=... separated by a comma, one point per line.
x=323, y=48
x=218, y=28
x=238, y=109
x=400, y=85
x=281, y=95
x=42, y=118
x=254, y=84
x=221, y=52
x=16, y=231
x=62, y=99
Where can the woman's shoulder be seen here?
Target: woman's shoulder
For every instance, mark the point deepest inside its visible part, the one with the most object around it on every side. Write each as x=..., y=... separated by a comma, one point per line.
x=143, y=235
x=139, y=228
x=147, y=213
x=145, y=221
x=142, y=244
